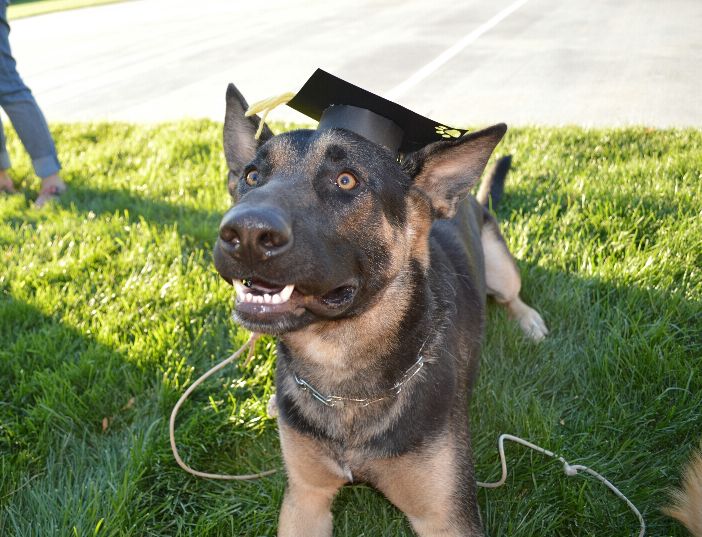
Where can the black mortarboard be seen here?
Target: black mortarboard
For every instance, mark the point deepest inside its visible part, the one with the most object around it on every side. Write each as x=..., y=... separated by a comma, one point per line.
x=336, y=103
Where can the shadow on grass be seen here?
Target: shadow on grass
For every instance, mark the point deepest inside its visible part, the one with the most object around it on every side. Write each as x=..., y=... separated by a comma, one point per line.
x=55, y=381
x=82, y=426
x=615, y=386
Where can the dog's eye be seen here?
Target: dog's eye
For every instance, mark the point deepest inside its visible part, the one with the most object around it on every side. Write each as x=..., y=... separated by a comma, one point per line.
x=346, y=181
x=252, y=178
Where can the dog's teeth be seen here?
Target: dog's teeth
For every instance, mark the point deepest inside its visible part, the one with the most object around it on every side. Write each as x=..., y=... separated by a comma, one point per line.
x=286, y=293
x=278, y=298
x=240, y=290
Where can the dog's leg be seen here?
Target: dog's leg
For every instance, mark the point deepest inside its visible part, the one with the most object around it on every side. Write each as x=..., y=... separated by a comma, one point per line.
x=503, y=281
x=433, y=487
x=313, y=481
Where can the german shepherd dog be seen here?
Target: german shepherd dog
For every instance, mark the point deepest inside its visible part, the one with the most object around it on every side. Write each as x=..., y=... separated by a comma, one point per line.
x=373, y=274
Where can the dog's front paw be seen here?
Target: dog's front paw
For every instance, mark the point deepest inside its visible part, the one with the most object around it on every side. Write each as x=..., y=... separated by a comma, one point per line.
x=529, y=320
x=532, y=324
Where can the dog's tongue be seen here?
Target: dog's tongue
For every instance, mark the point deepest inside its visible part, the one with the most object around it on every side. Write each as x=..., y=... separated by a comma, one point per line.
x=265, y=287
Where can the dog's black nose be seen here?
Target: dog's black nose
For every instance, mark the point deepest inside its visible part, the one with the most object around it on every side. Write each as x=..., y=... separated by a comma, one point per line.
x=255, y=233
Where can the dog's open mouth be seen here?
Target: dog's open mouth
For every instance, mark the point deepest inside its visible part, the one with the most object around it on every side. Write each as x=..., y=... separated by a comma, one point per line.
x=259, y=292
x=266, y=300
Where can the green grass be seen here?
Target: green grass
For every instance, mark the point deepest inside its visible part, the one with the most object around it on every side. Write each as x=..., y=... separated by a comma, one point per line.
x=20, y=9
x=110, y=307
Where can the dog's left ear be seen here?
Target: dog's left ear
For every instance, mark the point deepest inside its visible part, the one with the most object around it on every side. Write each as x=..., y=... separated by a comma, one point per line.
x=446, y=171
x=240, y=146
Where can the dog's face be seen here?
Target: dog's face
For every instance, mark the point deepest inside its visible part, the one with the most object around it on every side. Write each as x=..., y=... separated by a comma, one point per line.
x=311, y=228
x=325, y=220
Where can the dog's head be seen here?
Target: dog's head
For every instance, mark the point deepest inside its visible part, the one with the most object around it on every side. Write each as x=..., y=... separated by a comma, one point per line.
x=325, y=220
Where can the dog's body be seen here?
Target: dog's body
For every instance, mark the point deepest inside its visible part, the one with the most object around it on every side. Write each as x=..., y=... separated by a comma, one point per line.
x=374, y=275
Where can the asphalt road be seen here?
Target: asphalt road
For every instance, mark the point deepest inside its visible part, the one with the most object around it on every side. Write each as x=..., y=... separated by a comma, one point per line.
x=587, y=62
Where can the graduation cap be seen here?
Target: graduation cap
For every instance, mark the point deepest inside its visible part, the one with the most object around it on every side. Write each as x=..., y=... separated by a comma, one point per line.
x=336, y=103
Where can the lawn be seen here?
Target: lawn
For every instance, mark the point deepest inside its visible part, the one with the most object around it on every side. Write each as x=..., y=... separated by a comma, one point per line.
x=110, y=306
x=19, y=9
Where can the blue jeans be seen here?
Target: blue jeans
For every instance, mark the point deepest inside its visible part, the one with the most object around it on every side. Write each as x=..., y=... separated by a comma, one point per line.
x=19, y=104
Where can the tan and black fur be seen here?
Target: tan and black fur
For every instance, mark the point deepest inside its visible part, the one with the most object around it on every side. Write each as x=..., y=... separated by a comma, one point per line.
x=687, y=501
x=397, y=267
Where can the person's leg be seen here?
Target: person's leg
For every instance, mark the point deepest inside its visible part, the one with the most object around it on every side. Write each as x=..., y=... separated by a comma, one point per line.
x=5, y=164
x=6, y=185
x=19, y=104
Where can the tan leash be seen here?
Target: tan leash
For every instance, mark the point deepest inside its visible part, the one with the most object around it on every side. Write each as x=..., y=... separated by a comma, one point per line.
x=171, y=425
x=570, y=469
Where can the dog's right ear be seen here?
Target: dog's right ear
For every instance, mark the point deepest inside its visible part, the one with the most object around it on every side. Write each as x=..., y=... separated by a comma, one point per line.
x=240, y=146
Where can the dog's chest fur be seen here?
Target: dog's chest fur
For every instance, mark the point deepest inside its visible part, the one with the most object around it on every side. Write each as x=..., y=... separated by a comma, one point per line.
x=442, y=318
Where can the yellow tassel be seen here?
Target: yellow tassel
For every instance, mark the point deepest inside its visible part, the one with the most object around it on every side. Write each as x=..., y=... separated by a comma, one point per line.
x=265, y=106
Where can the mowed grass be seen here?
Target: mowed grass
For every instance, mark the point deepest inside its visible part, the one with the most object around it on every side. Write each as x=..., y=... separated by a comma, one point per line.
x=20, y=9
x=110, y=306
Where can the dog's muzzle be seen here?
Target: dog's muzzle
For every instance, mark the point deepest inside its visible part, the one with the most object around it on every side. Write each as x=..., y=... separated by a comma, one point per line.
x=255, y=234
x=278, y=288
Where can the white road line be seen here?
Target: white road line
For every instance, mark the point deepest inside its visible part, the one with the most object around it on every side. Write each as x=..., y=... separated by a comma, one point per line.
x=449, y=53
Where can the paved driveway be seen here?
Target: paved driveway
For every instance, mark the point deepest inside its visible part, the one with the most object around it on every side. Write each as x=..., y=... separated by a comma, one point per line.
x=589, y=62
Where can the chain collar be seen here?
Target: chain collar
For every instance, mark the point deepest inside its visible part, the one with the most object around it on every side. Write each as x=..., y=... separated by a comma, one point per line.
x=340, y=401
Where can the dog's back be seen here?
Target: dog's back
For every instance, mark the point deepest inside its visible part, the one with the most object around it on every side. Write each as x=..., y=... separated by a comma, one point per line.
x=687, y=502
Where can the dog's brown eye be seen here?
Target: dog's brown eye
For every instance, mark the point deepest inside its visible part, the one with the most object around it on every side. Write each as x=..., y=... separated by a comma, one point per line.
x=252, y=178
x=346, y=181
